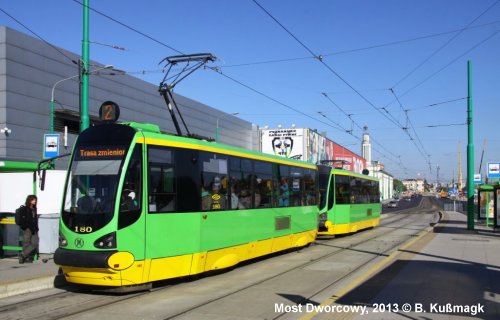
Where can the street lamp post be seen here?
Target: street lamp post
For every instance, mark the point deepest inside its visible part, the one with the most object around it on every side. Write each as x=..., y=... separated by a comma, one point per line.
x=217, y=126
x=52, y=101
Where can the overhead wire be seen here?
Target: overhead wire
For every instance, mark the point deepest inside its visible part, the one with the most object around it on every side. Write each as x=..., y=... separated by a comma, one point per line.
x=444, y=45
x=420, y=147
x=376, y=46
x=357, y=125
x=320, y=59
x=448, y=64
x=130, y=28
x=454, y=60
x=38, y=36
x=215, y=69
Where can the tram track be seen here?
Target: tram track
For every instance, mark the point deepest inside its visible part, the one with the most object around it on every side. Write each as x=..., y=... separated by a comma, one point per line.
x=396, y=218
x=80, y=304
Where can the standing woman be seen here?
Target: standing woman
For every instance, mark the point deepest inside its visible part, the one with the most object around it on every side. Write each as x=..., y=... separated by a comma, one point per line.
x=29, y=226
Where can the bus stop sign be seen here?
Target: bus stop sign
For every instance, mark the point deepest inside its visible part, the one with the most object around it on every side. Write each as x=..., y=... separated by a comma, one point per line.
x=493, y=169
x=51, y=145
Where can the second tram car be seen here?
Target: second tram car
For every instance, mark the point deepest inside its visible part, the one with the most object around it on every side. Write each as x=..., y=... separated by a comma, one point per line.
x=142, y=206
x=349, y=201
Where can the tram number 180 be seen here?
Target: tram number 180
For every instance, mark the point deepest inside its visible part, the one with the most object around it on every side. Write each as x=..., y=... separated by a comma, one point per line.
x=83, y=229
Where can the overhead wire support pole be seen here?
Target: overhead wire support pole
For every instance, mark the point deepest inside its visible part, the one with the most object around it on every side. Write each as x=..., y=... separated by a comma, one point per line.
x=84, y=99
x=470, y=152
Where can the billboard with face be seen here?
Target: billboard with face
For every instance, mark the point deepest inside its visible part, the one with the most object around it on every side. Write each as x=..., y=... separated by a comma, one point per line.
x=288, y=143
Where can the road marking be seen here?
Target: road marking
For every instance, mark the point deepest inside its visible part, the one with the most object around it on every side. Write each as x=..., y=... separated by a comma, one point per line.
x=368, y=274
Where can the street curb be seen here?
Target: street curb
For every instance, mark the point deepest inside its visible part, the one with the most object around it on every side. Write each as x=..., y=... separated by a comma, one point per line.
x=32, y=285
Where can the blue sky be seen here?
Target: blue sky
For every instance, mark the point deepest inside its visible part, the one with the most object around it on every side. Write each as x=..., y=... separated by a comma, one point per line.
x=372, y=52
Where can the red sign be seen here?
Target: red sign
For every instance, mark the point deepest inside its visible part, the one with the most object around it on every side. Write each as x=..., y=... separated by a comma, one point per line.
x=350, y=160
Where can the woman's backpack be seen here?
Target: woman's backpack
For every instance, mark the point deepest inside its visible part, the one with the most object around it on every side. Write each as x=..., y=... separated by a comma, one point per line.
x=19, y=215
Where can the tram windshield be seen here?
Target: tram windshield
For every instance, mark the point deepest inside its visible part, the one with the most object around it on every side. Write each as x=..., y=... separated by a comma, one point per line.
x=93, y=177
x=91, y=189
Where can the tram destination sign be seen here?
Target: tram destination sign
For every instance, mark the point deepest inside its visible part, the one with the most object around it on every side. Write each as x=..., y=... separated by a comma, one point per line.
x=100, y=152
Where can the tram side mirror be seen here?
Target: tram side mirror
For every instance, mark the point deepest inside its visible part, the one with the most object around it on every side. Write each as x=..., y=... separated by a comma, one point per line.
x=42, y=169
x=41, y=176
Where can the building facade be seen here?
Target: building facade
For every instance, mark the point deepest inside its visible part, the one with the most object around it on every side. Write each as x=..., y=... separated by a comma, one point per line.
x=29, y=70
x=415, y=185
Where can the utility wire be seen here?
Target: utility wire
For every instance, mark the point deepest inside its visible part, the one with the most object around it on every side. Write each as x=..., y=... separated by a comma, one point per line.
x=130, y=28
x=376, y=46
x=357, y=125
x=38, y=36
x=439, y=103
x=445, y=125
x=270, y=98
x=320, y=59
x=449, y=64
x=445, y=44
x=420, y=146
x=215, y=69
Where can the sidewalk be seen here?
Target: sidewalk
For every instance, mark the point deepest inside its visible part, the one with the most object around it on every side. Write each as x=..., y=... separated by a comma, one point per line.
x=18, y=278
x=450, y=273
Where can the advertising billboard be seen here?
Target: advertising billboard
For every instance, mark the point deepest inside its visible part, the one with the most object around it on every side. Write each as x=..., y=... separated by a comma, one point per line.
x=308, y=145
x=352, y=161
x=288, y=143
x=316, y=150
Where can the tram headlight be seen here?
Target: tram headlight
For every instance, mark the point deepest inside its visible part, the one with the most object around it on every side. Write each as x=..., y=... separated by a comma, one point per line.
x=107, y=241
x=62, y=240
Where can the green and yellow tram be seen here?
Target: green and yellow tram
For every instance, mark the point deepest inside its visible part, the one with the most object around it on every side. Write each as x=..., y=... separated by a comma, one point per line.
x=349, y=201
x=142, y=206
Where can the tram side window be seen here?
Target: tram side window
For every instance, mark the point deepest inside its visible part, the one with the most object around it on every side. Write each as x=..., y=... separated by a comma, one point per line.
x=361, y=190
x=214, y=182
x=310, y=192
x=297, y=186
x=162, y=186
x=373, y=191
x=342, y=189
x=263, y=184
x=241, y=183
x=283, y=188
x=130, y=200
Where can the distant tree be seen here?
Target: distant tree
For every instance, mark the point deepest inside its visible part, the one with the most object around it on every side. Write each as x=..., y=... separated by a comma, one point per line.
x=399, y=186
x=427, y=186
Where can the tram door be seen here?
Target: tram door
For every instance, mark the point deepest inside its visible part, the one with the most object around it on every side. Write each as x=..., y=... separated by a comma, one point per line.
x=172, y=223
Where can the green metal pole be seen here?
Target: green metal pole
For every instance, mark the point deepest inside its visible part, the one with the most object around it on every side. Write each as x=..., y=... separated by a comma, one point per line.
x=84, y=112
x=470, y=153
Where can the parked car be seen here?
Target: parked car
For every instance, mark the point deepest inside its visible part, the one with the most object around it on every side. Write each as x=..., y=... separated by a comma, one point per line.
x=392, y=204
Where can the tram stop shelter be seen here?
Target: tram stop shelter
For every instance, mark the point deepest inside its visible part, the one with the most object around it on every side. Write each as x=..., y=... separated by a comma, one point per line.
x=17, y=180
x=488, y=208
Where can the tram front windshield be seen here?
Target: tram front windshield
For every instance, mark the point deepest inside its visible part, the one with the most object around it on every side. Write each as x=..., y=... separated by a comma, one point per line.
x=91, y=189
